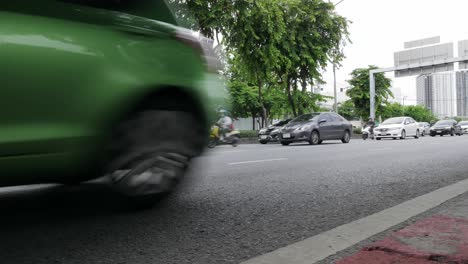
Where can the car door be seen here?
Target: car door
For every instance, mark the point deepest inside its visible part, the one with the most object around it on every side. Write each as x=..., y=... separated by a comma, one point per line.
x=338, y=126
x=325, y=125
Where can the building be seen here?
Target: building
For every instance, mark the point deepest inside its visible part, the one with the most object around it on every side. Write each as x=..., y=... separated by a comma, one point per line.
x=442, y=93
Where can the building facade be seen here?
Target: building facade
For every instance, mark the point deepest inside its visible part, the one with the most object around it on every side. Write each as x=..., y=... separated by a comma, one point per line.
x=445, y=94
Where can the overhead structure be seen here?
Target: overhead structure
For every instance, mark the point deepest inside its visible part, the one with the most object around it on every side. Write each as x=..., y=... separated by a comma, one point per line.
x=416, y=60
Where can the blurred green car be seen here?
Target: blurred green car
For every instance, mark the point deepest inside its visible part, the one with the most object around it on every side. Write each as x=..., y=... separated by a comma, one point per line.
x=93, y=88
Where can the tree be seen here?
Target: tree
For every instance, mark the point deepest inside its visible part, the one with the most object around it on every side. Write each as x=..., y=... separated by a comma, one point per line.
x=360, y=94
x=419, y=113
x=347, y=110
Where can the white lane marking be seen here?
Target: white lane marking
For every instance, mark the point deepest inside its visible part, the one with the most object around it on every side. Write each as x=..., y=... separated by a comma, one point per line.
x=256, y=161
x=381, y=149
x=321, y=246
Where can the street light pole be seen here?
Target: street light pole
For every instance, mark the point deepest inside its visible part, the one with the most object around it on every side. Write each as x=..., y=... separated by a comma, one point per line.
x=334, y=88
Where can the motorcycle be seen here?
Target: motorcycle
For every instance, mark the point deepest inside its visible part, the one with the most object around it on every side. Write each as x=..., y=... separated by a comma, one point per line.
x=230, y=138
x=367, y=134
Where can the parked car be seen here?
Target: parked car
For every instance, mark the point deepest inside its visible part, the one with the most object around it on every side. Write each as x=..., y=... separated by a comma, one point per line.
x=89, y=89
x=464, y=126
x=446, y=127
x=315, y=128
x=397, y=127
x=271, y=133
x=424, y=128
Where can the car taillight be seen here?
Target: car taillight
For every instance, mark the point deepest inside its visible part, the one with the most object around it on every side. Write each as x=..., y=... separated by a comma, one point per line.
x=201, y=45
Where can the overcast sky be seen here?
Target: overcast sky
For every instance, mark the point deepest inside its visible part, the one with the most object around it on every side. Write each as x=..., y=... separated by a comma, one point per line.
x=380, y=27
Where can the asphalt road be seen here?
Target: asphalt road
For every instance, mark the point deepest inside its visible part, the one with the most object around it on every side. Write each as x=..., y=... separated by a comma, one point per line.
x=236, y=203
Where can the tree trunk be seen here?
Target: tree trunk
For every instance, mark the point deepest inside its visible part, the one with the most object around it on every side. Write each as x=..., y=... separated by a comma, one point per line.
x=253, y=121
x=290, y=98
x=263, y=109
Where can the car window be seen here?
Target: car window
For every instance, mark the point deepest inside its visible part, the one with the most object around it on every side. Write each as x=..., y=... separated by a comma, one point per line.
x=305, y=118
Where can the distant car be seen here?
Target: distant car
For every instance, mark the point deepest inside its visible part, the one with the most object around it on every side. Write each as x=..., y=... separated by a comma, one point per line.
x=315, y=128
x=446, y=127
x=424, y=128
x=271, y=133
x=397, y=127
x=464, y=126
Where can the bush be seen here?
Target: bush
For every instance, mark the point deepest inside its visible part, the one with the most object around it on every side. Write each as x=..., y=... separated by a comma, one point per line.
x=357, y=130
x=248, y=133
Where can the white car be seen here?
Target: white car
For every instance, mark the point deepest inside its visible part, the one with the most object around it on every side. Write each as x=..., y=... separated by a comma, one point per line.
x=397, y=127
x=464, y=126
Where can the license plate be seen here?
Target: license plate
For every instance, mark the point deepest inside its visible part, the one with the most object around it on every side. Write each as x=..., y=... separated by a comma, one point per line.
x=287, y=135
x=263, y=137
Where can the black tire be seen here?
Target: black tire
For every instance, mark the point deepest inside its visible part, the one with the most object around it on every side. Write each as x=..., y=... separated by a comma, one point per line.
x=378, y=138
x=320, y=141
x=452, y=133
x=346, y=137
x=148, y=162
x=235, y=142
x=417, y=134
x=285, y=143
x=432, y=134
x=212, y=142
x=403, y=134
x=394, y=138
x=441, y=135
x=263, y=142
x=314, y=138
x=423, y=134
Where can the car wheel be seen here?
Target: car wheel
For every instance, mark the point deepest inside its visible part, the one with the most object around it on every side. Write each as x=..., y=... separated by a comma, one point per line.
x=452, y=133
x=417, y=134
x=380, y=138
x=441, y=135
x=148, y=162
x=423, y=134
x=314, y=138
x=346, y=137
x=320, y=142
x=285, y=143
x=263, y=142
x=403, y=134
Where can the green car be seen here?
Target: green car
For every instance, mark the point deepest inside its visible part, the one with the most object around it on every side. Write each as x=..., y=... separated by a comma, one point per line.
x=102, y=88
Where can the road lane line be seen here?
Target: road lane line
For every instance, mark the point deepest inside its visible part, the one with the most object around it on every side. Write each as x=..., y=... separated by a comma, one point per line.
x=326, y=244
x=256, y=161
x=378, y=149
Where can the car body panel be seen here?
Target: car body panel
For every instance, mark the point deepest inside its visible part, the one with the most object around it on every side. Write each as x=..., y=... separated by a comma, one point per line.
x=330, y=129
x=407, y=124
x=66, y=81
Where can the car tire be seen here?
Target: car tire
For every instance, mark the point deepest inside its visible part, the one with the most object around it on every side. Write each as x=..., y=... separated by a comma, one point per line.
x=148, y=162
x=452, y=133
x=423, y=134
x=320, y=141
x=263, y=142
x=314, y=138
x=378, y=138
x=417, y=134
x=346, y=137
x=285, y=143
x=403, y=134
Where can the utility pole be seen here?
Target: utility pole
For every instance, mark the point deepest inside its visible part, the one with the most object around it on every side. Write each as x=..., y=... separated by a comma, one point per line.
x=334, y=88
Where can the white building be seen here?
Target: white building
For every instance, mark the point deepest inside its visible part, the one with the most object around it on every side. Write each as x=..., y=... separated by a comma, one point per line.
x=438, y=92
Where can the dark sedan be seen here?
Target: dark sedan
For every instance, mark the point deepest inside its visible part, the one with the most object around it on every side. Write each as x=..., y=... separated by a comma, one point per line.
x=315, y=128
x=271, y=133
x=446, y=127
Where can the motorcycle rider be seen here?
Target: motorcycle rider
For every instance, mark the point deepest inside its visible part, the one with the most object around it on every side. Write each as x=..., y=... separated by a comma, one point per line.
x=371, y=125
x=225, y=123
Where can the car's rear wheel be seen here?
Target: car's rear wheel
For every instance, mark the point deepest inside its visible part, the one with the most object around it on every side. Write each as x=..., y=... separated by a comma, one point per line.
x=417, y=134
x=403, y=134
x=346, y=137
x=285, y=143
x=452, y=133
x=263, y=141
x=314, y=138
x=150, y=153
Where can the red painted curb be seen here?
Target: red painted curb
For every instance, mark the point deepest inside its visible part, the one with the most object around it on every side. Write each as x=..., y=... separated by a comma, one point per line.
x=437, y=239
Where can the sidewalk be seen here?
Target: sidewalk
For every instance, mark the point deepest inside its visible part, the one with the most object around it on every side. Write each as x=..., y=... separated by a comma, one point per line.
x=439, y=238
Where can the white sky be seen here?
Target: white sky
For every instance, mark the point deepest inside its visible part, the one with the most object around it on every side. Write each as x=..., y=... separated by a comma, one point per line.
x=380, y=27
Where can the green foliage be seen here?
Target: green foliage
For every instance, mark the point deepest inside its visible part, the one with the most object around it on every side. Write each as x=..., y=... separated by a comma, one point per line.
x=357, y=130
x=347, y=110
x=417, y=112
x=248, y=133
x=359, y=92
x=243, y=99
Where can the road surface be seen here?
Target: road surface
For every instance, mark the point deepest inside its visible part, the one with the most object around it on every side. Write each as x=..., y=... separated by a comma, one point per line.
x=236, y=203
